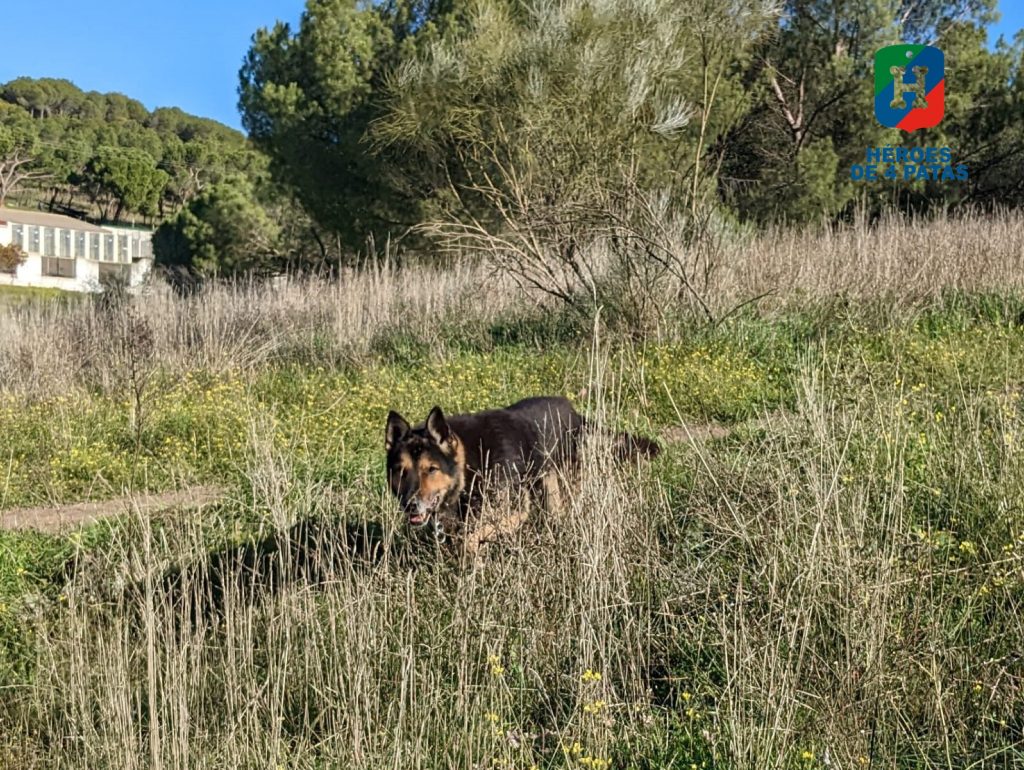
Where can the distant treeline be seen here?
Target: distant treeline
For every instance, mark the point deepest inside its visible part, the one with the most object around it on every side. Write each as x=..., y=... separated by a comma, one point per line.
x=387, y=115
x=447, y=124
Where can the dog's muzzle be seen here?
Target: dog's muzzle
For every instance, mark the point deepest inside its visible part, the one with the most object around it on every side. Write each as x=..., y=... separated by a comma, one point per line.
x=427, y=525
x=419, y=513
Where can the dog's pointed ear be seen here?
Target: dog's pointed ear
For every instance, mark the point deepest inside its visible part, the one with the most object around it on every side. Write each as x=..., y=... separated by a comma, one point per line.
x=396, y=430
x=437, y=426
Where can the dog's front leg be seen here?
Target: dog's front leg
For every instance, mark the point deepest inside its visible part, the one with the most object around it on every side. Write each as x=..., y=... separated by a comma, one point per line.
x=551, y=493
x=491, y=531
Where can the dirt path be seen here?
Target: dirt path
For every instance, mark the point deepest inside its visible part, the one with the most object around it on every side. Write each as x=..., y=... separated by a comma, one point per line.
x=56, y=518
x=701, y=432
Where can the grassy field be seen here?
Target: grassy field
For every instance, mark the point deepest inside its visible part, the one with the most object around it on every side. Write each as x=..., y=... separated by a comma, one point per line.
x=825, y=568
x=21, y=295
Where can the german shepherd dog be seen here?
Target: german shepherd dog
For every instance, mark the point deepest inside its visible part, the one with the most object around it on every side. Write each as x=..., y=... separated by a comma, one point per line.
x=440, y=470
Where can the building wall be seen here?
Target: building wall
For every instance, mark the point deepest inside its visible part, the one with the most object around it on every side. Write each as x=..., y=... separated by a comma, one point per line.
x=30, y=273
x=125, y=246
x=140, y=251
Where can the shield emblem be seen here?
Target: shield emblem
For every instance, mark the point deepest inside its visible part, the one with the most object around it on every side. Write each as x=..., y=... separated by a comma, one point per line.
x=910, y=86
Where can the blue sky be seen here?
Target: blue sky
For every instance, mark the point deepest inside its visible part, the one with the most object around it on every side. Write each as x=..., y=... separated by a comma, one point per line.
x=183, y=54
x=1012, y=21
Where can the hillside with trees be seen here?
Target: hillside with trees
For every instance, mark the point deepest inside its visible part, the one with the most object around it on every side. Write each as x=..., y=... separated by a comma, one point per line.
x=106, y=157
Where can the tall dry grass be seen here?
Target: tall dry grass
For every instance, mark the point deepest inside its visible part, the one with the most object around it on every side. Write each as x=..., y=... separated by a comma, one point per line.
x=407, y=661
x=900, y=258
x=51, y=347
x=48, y=348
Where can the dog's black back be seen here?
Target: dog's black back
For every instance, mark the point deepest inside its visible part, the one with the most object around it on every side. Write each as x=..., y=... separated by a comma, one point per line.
x=521, y=440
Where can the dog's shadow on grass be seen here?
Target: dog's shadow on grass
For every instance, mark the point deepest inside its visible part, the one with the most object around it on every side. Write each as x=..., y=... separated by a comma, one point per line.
x=310, y=553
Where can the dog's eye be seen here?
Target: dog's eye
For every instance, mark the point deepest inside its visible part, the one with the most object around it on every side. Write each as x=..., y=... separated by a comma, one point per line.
x=433, y=469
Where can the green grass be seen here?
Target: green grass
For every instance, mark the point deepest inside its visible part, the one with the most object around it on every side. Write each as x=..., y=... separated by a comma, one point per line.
x=20, y=295
x=195, y=425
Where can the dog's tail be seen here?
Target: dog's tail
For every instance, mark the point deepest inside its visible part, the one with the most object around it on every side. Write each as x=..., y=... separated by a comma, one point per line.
x=627, y=447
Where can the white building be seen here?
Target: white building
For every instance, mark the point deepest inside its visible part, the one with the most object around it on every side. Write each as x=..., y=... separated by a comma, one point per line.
x=67, y=253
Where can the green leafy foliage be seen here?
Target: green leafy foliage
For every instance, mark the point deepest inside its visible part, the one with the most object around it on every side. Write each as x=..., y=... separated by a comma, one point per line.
x=223, y=231
x=309, y=96
x=812, y=113
x=385, y=116
x=376, y=119
x=127, y=176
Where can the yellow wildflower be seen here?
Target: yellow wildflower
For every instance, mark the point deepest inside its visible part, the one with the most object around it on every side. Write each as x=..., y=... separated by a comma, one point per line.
x=594, y=707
